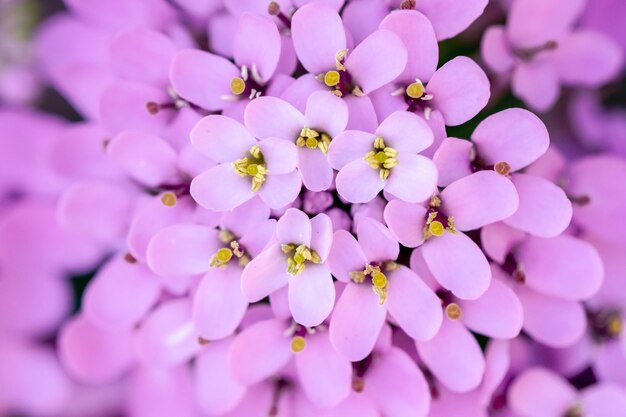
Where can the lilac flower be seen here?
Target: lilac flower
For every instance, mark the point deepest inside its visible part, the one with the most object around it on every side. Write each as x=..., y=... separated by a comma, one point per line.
x=456, y=262
x=451, y=95
x=386, y=159
x=229, y=87
x=326, y=117
x=295, y=258
x=245, y=166
x=544, y=209
x=376, y=283
x=543, y=51
x=540, y=392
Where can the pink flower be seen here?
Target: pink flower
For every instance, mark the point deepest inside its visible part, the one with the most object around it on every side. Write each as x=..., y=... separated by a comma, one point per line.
x=246, y=167
x=376, y=283
x=385, y=160
x=296, y=258
x=325, y=117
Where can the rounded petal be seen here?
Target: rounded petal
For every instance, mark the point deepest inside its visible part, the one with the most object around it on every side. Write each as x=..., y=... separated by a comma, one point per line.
x=452, y=159
x=540, y=392
x=414, y=179
x=92, y=354
x=605, y=400
x=267, y=117
x=515, y=136
x=480, y=199
x=209, y=137
x=318, y=34
x=459, y=373
x=182, y=249
x=495, y=50
x=497, y=313
x=449, y=17
x=217, y=391
x=316, y=172
x=202, y=78
x=279, y=191
x=281, y=156
x=537, y=84
x=418, y=35
x=294, y=227
x=564, y=267
x=406, y=222
x=397, y=385
x=356, y=322
x=259, y=351
x=120, y=294
x=326, y=112
x=458, y=264
x=377, y=60
x=550, y=320
x=413, y=305
x=144, y=157
x=406, y=132
x=376, y=240
x=460, y=90
x=544, y=209
x=257, y=45
x=168, y=336
x=219, y=304
x=311, y=295
x=321, y=235
x=265, y=274
x=357, y=182
x=532, y=23
x=345, y=256
x=349, y=146
x=326, y=377
x=221, y=189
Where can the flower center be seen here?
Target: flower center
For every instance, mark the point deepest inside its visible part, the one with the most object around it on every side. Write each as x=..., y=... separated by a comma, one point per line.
x=527, y=54
x=450, y=307
x=299, y=255
x=416, y=98
x=605, y=324
x=224, y=255
x=382, y=158
x=435, y=220
x=252, y=166
x=574, y=411
x=250, y=85
x=502, y=167
x=310, y=138
x=376, y=274
x=339, y=80
x=514, y=269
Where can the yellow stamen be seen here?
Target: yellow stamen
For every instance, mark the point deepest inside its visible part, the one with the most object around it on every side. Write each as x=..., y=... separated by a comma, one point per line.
x=379, y=280
x=614, y=325
x=331, y=78
x=252, y=166
x=415, y=90
x=252, y=169
x=436, y=228
x=237, y=85
x=502, y=168
x=169, y=199
x=311, y=143
x=453, y=311
x=221, y=258
x=298, y=343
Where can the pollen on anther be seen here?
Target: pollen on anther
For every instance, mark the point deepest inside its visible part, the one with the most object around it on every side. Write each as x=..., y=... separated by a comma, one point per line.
x=453, y=311
x=169, y=199
x=331, y=78
x=436, y=228
x=502, y=168
x=379, y=280
x=224, y=255
x=298, y=343
x=237, y=85
x=415, y=90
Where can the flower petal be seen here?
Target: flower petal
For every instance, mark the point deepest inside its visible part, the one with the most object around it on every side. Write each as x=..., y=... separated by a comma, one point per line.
x=316, y=172
x=221, y=188
x=257, y=44
x=345, y=256
x=208, y=136
x=294, y=227
x=376, y=240
x=449, y=17
x=280, y=190
x=265, y=274
x=537, y=84
x=414, y=179
x=267, y=117
x=311, y=295
x=281, y=156
x=357, y=182
x=327, y=113
x=405, y=132
x=349, y=146
x=495, y=50
x=540, y=392
x=406, y=222
x=453, y=160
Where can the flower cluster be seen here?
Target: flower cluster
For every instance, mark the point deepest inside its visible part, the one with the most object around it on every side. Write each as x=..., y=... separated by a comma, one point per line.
x=313, y=207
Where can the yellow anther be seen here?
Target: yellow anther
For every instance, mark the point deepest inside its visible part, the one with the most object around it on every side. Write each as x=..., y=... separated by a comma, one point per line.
x=298, y=343
x=169, y=199
x=384, y=174
x=331, y=78
x=390, y=163
x=252, y=166
x=298, y=258
x=357, y=276
x=226, y=236
x=287, y=248
x=381, y=293
x=415, y=90
x=202, y=341
x=237, y=85
x=435, y=201
x=379, y=143
x=453, y=311
x=252, y=169
x=311, y=143
x=502, y=168
x=614, y=325
x=224, y=255
x=436, y=228
x=379, y=280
